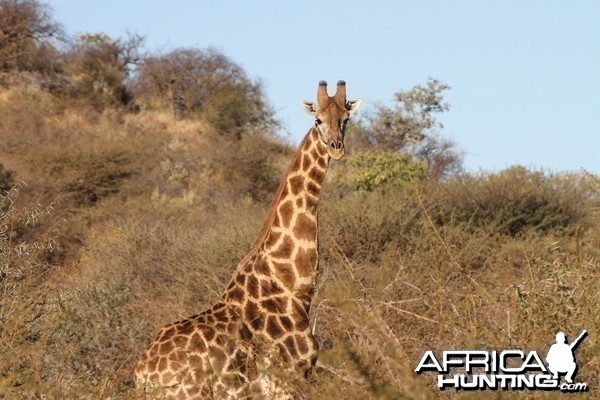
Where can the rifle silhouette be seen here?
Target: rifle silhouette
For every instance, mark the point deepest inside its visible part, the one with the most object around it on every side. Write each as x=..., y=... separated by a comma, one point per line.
x=579, y=338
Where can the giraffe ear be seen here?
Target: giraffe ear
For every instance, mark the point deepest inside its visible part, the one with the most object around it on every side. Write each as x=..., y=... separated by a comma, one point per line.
x=310, y=107
x=353, y=105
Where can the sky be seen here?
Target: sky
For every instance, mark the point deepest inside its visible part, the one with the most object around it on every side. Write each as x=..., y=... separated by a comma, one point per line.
x=525, y=75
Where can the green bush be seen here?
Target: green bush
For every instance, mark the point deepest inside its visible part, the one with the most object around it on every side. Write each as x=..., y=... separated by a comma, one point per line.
x=516, y=200
x=371, y=170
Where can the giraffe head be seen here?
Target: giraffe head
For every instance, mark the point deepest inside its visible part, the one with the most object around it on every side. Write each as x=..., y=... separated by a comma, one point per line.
x=331, y=116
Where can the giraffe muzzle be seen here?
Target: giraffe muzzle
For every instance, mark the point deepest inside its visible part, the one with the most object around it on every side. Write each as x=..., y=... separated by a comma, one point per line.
x=335, y=149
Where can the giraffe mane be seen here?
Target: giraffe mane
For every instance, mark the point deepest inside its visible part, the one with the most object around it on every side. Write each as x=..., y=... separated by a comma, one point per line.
x=262, y=235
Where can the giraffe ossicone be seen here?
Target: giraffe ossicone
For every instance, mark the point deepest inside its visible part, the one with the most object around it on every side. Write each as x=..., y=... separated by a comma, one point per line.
x=262, y=318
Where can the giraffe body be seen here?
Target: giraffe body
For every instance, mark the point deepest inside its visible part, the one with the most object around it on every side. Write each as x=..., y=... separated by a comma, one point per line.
x=262, y=319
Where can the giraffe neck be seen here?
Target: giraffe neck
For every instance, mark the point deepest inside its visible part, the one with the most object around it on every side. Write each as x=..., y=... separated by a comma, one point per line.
x=286, y=248
x=294, y=222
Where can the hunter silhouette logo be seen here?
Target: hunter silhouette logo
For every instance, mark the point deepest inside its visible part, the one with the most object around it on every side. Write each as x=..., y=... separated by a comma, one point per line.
x=560, y=357
x=508, y=369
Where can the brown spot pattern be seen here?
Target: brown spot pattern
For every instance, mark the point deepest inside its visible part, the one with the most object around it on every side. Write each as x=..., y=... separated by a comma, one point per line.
x=306, y=262
x=287, y=323
x=252, y=315
x=316, y=175
x=209, y=333
x=296, y=184
x=305, y=228
x=299, y=316
x=305, y=162
x=286, y=211
x=285, y=273
x=273, y=328
x=252, y=286
x=312, y=189
x=262, y=267
x=269, y=288
x=272, y=239
x=240, y=279
x=322, y=163
x=291, y=346
x=285, y=248
x=275, y=305
x=236, y=295
x=302, y=345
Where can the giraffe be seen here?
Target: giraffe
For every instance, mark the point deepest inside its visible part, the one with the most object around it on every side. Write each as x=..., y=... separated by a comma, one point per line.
x=262, y=318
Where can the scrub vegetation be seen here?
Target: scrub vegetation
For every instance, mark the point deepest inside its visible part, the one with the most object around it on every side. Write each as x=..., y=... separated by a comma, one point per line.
x=131, y=185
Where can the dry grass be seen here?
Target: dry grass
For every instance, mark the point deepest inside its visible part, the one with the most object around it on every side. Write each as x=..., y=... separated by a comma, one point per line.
x=396, y=283
x=153, y=214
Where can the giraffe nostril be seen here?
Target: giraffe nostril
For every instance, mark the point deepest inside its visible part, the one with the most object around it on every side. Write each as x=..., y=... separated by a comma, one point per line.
x=336, y=144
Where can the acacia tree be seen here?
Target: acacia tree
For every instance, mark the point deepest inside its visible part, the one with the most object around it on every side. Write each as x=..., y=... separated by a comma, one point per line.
x=409, y=128
x=208, y=84
x=99, y=67
x=27, y=36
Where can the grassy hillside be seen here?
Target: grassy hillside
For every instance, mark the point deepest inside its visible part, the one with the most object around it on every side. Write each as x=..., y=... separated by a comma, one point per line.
x=117, y=223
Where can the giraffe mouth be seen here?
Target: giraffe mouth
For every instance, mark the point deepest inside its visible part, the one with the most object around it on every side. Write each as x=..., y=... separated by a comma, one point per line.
x=336, y=154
